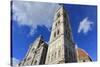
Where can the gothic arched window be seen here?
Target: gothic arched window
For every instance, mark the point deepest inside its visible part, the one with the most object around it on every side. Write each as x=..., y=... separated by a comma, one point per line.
x=56, y=25
x=48, y=58
x=59, y=53
x=59, y=22
x=58, y=14
x=32, y=49
x=54, y=34
x=58, y=32
x=55, y=54
x=51, y=57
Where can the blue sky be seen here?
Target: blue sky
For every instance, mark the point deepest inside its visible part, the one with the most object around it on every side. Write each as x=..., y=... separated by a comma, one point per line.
x=29, y=23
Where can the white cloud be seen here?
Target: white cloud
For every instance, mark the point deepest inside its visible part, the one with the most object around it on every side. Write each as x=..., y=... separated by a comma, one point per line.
x=15, y=61
x=85, y=25
x=33, y=13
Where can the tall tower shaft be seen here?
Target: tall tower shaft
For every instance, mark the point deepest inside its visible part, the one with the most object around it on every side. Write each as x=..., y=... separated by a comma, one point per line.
x=61, y=46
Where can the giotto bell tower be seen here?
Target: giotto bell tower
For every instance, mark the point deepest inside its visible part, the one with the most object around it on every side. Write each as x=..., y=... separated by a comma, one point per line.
x=61, y=46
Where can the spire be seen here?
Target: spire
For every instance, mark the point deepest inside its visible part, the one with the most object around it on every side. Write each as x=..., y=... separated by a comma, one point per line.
x=40, y=37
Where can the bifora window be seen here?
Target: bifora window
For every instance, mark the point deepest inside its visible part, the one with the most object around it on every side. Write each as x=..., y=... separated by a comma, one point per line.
x=51, y=57
x=58, y=14
x=59, y=53
x=55, y=54
x=32, y=49
x=54, y=34
x=56, y=25
x=59, y=22
x=58, y=32
x=48, y=58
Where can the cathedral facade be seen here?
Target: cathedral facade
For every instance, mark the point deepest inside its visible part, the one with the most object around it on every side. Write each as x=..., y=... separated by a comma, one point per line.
x=61, y=47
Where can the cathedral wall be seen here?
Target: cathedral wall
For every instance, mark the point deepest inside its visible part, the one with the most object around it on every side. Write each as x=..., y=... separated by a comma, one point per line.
x=55, y=51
